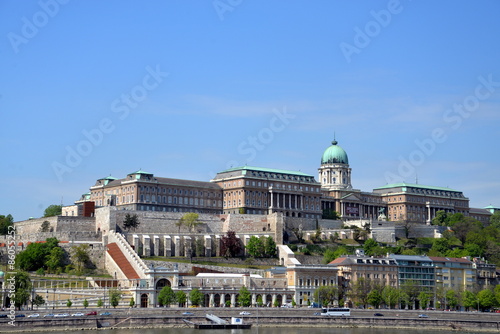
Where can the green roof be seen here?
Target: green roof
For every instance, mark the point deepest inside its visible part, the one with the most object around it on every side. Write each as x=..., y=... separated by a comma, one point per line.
x=140, y=172
x=266, y=170
x=334, y=154
x=413, y=185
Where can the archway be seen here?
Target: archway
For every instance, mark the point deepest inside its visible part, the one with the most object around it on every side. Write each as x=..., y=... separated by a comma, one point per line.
x=162, y=283
x=217, y=300
x=227, y=299
x=269, y=301
x=144, y=300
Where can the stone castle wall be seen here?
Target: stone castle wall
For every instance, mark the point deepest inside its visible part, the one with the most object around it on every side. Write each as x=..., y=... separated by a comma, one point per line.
x=57, y=224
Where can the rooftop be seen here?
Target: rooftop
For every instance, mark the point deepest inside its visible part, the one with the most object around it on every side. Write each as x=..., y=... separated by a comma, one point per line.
x=413, y=185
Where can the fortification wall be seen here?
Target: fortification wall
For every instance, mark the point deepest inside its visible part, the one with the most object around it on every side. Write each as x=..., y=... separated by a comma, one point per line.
x=56, y=224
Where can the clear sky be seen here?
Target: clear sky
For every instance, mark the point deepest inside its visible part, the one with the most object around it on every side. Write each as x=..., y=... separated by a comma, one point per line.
x=185, y=89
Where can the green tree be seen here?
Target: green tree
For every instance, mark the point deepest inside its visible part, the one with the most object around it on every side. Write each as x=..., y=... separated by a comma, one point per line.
x=359, y=291
x=85, y=303
x=375, y=298
x=486, y=299
x=55, y=259
x=80, y=257
x=441, y=245
x=390, y=295
x=230, y=245
x=22, y=287
x=411, y=289
x=181, y=298
x=131, y=222
x=494, y=219
x=244, y=297
x=189, y=220
x=166, y=296
x=114, y=297
x=35, y=255
x=270, y=247
x=424, y=298
x=325, y=295
x=100, y=303
x=369, y=245
x=53, y=210
x=259, y=301
x=452, y=298
x=469, y=300
x=45, y=227
x=255, y=247
x=38, y=301
x=132, y=302
x=441, y=218
x=69, y=303
x=5, y=224
x=196, y=297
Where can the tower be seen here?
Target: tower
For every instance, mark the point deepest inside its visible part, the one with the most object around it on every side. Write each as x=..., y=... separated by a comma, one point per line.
x=334, y=172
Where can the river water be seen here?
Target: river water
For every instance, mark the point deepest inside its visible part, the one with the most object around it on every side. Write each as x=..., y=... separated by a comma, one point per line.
x=265, y=330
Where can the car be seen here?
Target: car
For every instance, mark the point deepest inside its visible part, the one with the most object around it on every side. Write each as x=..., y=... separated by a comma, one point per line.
x=423, y=316
x=378, y=315
x=61, y=315
x=78, y=314
x=317, y=313
x=35, y=315
x=3, y=315
x=50, y=315
x=245, y=313
x=20, y=315
x=91, y=313
x=105, y=313
x=187, y=313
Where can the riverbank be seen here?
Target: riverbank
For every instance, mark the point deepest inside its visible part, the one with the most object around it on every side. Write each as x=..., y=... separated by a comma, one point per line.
x=173, y=318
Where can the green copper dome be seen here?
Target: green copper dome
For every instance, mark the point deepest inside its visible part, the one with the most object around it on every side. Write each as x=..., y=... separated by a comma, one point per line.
x=334, y=155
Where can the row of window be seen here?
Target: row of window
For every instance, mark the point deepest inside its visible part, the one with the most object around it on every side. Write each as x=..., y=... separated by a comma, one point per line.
x=316, y=281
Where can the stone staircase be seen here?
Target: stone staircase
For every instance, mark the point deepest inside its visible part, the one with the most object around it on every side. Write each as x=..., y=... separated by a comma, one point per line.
x=122, y=259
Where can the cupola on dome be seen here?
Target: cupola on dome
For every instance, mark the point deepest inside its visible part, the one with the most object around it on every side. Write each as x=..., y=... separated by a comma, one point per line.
x=334, y=155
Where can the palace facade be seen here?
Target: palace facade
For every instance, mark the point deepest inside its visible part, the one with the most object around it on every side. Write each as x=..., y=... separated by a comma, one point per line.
x=258, y=190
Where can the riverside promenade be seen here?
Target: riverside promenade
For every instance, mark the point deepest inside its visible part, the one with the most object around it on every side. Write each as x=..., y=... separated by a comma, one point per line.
x=299, y=317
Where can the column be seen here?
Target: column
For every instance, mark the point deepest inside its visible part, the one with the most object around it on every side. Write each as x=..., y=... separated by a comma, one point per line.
x=272, y=200
x=233, y=300
x=146, y=247
x=273, y=300
x=167, y=243
x=177, y=245
x=264, y=299
x=208, y=246
x=223, y=299
x=211, y=300
x=188, y=249
x=156, y=245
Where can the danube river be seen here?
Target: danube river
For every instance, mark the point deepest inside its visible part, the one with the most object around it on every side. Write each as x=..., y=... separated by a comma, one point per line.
x=264, y=330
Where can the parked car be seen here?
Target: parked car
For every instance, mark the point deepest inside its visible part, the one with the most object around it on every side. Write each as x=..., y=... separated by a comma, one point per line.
x=317, y=313
x=91, y=313
x=187, y=313
x=61, y=315
x=35, y=315
x=105, y=313
x=78, y=314
x=20, y=315
x=423, y=316
x=245, y=313
x=50, y=315
x=3, y=315
x=378, y=315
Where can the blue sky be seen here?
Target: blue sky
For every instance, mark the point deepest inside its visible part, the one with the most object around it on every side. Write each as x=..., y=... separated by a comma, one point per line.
x=185, y=89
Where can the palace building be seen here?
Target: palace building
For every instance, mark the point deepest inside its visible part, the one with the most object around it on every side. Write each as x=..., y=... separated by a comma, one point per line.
x=262, y=191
